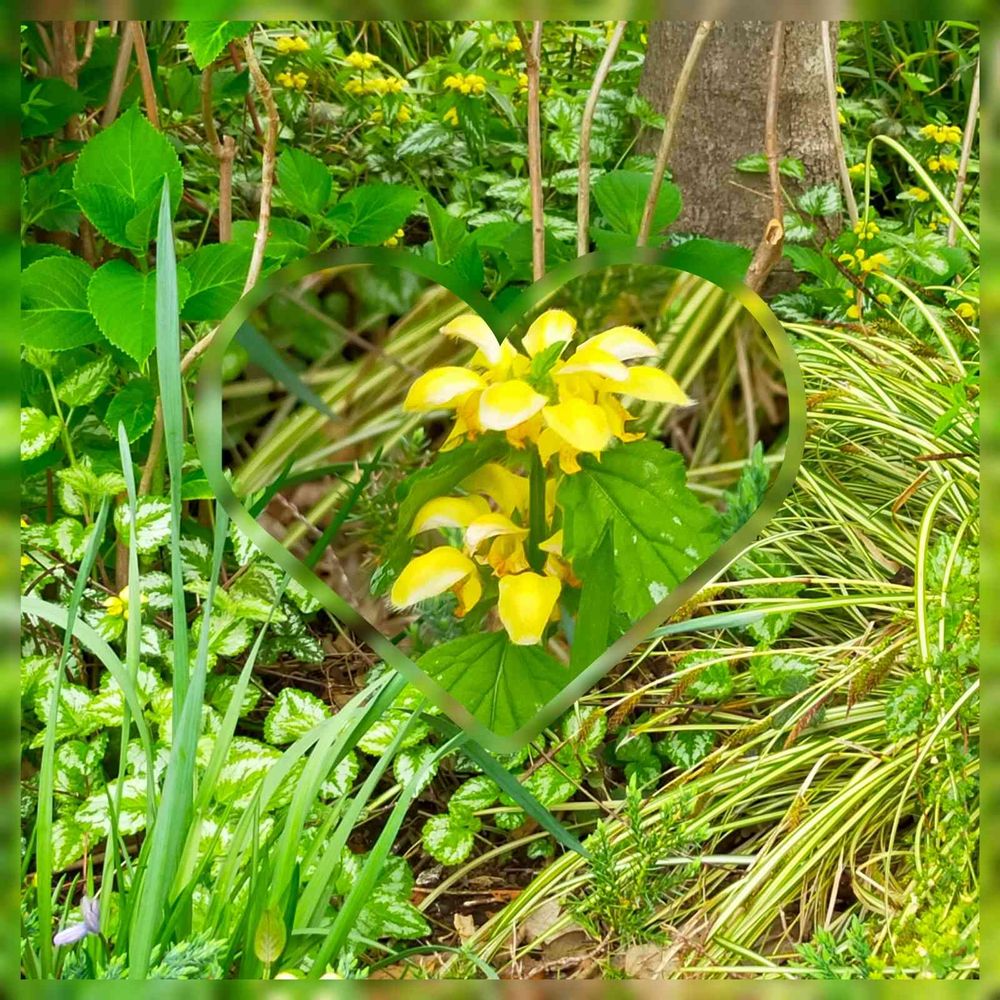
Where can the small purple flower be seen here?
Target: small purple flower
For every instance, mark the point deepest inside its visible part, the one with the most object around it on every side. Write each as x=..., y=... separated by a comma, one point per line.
x=91, y=924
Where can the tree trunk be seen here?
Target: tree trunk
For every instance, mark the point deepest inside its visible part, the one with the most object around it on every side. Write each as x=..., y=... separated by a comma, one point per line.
x=723, y=120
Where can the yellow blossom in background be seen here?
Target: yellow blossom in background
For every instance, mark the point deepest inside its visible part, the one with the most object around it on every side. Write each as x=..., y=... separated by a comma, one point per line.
x=451, y=116
x=942, y=164
x=513, y=44
x=942, y=133
x=117, y=604
x=404, y=114
x=866, y=230
x=876, y=262
x=840, y=90
x=470, y=83
x=393, y=240
x=522, y=81
x=841, y=118
x=918, y=193
x=355, y=86
x=856, y=169
x=292, y=81
x=361, y=60
x=966, y=310
x=854, y=312
x=289, y=43
x=884, y=299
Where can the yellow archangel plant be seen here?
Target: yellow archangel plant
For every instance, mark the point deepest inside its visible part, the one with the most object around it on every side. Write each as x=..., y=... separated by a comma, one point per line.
x=548, y=404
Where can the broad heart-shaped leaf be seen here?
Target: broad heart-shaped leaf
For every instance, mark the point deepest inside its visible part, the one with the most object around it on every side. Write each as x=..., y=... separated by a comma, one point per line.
x=119, y=176
x=660, y=531
x=207, y=39
x=370, y=214
x=305, y=181
x=134, y=406
x=123, y=302
x=218, y=273
x=54, y=310
x=501, y=684
x=621, y=197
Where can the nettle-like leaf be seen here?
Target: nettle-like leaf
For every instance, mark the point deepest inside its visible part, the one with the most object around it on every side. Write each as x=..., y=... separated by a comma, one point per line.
x=660, y=531
x=305, y=181
x=686, y=747
x=94, y=815
x=78, y=766
x=713, y=682
x=475, y=794
x=778, y=676
x=207, y=39
x=408, y=762
x=38, y=432
x=621, y=197
x=383, y=731
x=134, y=406
x=824, y=199
x=152, y=523
x=81, y=484
x=342, y=777
x=426, y=138
x=69, y=841
x=288, y=636
x=292, y=715
x=83, y=385
x=119, y=176
x=288, y=239
x=48, y=201
x=449, y=838
x=502, y=684
x=69, y=538
x=370, y=214
x=246, y=764
x=218, y=272
x=54, y=310
x=123, y=302
x=220, y=690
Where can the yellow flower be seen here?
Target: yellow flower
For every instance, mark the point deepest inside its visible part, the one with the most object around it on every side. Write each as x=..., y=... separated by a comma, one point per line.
x=841, y=117
x=451, y=116
x=884, y=299
x=513, y=44
x=117, y=604
x=290, y=81
x=856, y=169
x=289, y=43
x=966, y=310
x=854, y=312
x=393, y=240
x=436, y=572
x=865, y=230
x=840, y=90
x=355, y=86
x=361, y=60
x=942, y=164
x=918, y=193
x=404, y=114
x=522, y=81
x=471, y=83
x=875, y=262
x=526, y=603
x=942, y=134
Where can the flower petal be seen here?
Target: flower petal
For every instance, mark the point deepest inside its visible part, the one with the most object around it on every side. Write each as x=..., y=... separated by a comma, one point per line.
x=474, y=330
x=525, y=605
x=508, y=489
x=624, y=342
x=430, y=574
x=552, y=327
x=594, y=361
x=507, y=404
x=441, y=388
x=468, y=593
x=583, y=425
x=449, y=512
x=553, y=543
x=490, y=526
x=652, y=384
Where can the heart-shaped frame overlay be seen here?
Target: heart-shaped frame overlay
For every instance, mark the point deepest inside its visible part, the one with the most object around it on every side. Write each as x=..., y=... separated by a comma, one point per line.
x=208, y=441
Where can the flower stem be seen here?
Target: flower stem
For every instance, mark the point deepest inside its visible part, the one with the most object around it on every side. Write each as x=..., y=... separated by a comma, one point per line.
x=537, y=528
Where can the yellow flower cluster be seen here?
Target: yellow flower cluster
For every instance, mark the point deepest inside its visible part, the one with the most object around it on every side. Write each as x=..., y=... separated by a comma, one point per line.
x=451, y=116
x=942, y=133
x=856, y=169
x=287, y=44
x=393, y=241
x=403, y=115
x=866, y=230
x=292, y=81
x=861, y=261
x=471, y=83
x=117, y=604
x=381, y=85
x=361, y=60
x=563, y=407
x=966, y=310
x=918, y=193
x=513, y=44
x=942, y=164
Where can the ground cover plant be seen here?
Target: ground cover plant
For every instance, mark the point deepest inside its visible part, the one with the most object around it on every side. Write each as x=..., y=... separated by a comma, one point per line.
x=220, y=779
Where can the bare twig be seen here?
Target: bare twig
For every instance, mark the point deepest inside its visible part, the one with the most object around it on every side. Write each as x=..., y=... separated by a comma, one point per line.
x=225, y=152
x=234, y=54
x=117, y=87
x=667, y=139
x=533, y=58
x=963, y=163
x=838, y=142
x=145, y=72
x=583, y=197
x=768, y=251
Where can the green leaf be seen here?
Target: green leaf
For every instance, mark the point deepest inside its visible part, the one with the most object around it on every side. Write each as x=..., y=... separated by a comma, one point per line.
x=475, y=794
x=447, y=230
x=134, y=406
x=47, y=104
x=152, y=523
x=745, y=497
x=502, y=685
x=753, y=163
x=824, y=199
x=621, y=196
x=270, y=936
x=722, y=261
x=82, y=386
x=54, y=310
x=594, y=616
x=207, y=39
x=370, y=214
x=686, y=747
x=305, y=181
x=425, y=139
x=287, y=239
x=791, y=166
x=391, y=917
x=218, y=273
x=123, y=302
x=778, y=676
x=660, y=531
x=906, y=706
x=49, y=202
x=38, y=432
x=293, y=714
x=119, y=176
x=408, y=762
x=714, y=682
x=449, y=839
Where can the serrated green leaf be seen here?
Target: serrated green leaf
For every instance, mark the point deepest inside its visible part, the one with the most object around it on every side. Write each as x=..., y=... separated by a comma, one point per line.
x=123, y=302
x=723, y=261
x=218, y=273
x=778, y=676
x=475, y=794
x=246, y=763
x=119, y=177
x=134, y=405
x=82, y=386
x=824, y=199
x=305, y=181
x=207, y=39
x=408, y=762
x=48, y=201
x=54, y=310
x=621, y=197
x=152, y=523
x=370, y=214
x=292, y=715
x=447, y=230
x=38, y=432
x=448, y=838
x=426, y=138
x=660, y=531
x=686, y=747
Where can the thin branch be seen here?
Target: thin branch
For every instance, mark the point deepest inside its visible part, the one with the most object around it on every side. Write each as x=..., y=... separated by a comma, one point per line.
x=533, y=58
x=583, y=197
x=234, y=54
x=768, y=251
x=117, y=87
x=667, y=139
x=225, y=152
x=145, y=73
x=963, y=164
x=838, y=142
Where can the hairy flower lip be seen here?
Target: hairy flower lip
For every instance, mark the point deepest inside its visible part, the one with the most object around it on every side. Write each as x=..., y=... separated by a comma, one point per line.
x=504, y=405
x=553, y=326
x=435, y=572
x=449, y=512
x=489, y=526
x=441, y=387
x=476, y=331
x=625, y=343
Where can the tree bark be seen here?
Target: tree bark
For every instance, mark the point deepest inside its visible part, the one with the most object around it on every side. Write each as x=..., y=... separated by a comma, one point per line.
x=723, y=119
